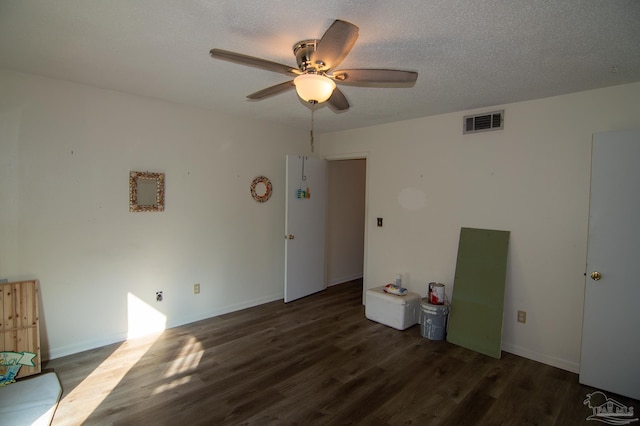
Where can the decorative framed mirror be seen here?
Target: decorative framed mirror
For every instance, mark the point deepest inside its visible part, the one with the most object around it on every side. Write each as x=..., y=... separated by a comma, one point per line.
x=146, y=192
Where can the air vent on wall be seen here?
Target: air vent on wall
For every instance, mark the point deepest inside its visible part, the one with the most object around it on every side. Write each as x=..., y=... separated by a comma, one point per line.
x=484, y=122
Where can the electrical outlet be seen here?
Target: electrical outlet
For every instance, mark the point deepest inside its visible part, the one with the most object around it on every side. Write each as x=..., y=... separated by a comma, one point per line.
x=159, y=296
x=196, y=289
x=522, y=317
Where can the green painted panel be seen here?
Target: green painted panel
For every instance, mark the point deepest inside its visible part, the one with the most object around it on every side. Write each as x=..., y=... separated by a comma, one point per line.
x=477, y=302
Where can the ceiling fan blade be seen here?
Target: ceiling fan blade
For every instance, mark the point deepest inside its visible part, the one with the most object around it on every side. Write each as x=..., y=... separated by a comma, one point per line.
x=252, y=61
x=376, y=76
x=337, y=101
x=271, y=91
x=335, y=44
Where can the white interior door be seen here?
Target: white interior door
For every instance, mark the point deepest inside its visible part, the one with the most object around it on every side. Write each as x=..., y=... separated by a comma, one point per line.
x=610, y=357
x=305, y=213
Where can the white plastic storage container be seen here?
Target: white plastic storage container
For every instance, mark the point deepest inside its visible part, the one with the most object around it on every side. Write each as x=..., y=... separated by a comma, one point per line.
x=399, y=312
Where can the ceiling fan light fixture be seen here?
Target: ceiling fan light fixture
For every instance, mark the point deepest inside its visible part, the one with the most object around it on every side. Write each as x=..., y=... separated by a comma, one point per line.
x=314, y=87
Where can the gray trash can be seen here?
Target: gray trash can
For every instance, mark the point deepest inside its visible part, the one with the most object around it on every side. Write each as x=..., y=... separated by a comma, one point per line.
x=434, y=320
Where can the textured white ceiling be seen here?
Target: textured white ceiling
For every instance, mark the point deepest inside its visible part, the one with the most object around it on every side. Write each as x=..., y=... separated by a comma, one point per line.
x=468, y=53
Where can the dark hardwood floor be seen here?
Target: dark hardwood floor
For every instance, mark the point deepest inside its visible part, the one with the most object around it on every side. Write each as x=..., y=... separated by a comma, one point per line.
x=315, y=361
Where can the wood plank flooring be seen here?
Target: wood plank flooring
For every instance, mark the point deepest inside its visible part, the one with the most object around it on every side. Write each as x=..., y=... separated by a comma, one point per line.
x=315, y=361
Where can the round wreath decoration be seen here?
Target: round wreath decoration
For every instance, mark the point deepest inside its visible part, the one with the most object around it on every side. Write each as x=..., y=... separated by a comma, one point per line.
x=268, y=189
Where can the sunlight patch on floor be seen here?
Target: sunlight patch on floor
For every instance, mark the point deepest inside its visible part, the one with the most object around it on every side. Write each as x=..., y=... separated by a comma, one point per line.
x=94, y=389
x=172, y=385
x=186, y=361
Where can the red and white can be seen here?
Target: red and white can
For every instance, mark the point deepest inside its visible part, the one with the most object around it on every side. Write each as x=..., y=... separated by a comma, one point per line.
x=436, y=293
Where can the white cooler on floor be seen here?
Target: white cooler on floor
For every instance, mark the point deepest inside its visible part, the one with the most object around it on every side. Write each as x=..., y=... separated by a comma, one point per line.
x=399, y=312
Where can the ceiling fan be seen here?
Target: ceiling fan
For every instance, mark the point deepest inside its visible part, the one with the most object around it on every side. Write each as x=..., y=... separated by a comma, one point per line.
x=315, y=78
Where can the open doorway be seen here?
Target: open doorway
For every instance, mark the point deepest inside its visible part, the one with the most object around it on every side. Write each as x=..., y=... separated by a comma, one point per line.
x=346, y=212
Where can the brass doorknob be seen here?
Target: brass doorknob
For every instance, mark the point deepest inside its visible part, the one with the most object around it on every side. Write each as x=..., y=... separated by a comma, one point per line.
x=290, y=236
x=595, y=275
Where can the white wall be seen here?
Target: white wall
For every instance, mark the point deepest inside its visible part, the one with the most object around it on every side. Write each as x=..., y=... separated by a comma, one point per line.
x=345, y=219
x=65, y=155
x=427, y=179
x=66, y=151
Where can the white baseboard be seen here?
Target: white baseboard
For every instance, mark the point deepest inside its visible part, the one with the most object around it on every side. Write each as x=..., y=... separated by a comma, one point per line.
x=225, y=310
x=77, y=347
x=563, y=364
x=85, y=345
x=344, y=279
